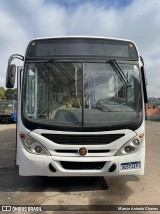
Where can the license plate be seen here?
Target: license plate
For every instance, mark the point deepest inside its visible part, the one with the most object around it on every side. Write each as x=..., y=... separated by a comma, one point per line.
x=131, y=165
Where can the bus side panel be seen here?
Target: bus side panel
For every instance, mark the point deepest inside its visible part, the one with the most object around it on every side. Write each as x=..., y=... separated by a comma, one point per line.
x=19, y=81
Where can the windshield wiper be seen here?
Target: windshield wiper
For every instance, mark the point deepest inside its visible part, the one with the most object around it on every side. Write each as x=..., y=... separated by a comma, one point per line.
x=119, y=72
x=61, y=68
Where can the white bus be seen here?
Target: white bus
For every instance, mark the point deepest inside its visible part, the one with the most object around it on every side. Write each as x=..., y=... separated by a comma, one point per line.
x=80, y=107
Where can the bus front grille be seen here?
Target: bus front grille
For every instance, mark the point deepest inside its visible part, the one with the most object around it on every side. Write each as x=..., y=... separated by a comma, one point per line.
x=69, y=139
x=77, y=151
x=82, y=165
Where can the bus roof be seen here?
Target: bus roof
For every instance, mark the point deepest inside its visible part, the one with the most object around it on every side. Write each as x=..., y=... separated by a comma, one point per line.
x=82, y=37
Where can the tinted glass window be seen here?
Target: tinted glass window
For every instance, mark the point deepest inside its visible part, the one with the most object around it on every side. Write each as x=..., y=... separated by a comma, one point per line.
x=82, y=47
x=58, y=98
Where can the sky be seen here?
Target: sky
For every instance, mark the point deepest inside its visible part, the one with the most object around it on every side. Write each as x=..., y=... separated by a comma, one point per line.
x=136, y=20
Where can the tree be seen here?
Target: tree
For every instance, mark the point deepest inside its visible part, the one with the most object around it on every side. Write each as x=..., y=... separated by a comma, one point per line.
x=2, y=93
x=11, y=94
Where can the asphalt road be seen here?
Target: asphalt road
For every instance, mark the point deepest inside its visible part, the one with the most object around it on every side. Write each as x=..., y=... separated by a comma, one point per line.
x=125, y=190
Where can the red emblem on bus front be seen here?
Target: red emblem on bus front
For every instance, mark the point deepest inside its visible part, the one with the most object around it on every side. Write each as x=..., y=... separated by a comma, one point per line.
x=82, y=151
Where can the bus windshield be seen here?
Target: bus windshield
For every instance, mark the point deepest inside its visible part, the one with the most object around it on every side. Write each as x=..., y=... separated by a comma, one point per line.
x=88, y=94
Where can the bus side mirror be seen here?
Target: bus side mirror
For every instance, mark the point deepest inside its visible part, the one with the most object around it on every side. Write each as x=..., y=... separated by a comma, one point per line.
x=10, y=76
x=144, y=82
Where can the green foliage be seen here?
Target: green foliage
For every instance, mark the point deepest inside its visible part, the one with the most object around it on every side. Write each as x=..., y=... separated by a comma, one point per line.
x=8, y=94
x=2, y=93
x=11, y=94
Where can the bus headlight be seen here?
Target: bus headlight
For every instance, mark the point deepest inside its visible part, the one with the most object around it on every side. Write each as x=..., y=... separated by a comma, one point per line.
x=130, y=147
x=136, y=142
x=32, y=146
x=38, y=149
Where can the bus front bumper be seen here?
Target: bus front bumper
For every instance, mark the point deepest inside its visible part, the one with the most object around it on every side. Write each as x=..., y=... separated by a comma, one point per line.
x=40, y=165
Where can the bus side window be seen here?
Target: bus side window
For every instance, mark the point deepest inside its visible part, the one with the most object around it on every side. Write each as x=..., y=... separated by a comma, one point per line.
x=31, y=91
